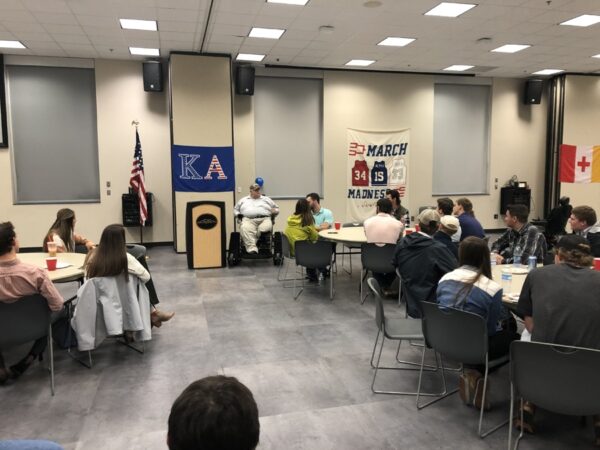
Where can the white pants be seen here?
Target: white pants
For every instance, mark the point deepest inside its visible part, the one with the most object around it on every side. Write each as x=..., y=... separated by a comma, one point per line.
x=251, y=229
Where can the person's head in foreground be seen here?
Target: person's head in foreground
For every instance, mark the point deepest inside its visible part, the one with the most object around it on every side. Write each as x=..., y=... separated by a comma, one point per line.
x=214, y=413
x=574, y=250
x=429, y=221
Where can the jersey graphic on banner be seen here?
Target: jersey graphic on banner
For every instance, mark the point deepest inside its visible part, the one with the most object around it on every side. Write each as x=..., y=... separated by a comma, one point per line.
x=360, y=173
x=379, y=175
x=398, y=172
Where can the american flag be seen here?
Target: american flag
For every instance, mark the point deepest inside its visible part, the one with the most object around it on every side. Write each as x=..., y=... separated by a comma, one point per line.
x=137, y=179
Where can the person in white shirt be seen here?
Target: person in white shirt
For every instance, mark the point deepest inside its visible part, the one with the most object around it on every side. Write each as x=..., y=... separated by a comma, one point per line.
x=384, y=228
x=255, y=212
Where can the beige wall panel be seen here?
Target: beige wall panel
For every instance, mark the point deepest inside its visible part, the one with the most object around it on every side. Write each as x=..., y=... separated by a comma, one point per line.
x=120, y=98
x=201, y=111
x=582, y=127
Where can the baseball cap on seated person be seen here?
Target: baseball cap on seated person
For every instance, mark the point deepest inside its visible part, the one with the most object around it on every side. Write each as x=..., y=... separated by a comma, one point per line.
x=429, y=217
x=450, y=224
x=255, y=187
x=570, y=242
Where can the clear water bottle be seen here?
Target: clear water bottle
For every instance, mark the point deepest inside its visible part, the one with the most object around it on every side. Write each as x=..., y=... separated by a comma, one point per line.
x=321, y=278
x=492, y=259
x=517, y=253
x=531, y=263
x=506, y=281
x=406, y=220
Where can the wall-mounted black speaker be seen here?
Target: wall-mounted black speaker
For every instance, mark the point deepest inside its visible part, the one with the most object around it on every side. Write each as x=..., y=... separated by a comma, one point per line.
x=153, y=81
x=533, y=92
x=244, y=80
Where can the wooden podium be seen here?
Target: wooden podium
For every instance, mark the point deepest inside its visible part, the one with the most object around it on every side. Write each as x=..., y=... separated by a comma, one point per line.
x=205, y=234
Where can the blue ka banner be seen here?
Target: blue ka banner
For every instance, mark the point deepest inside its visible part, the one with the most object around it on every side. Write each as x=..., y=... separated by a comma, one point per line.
x=202, y=169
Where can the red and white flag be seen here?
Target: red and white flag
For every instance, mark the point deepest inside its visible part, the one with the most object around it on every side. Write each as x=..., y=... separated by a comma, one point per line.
x=579, y=164
x=136, y=181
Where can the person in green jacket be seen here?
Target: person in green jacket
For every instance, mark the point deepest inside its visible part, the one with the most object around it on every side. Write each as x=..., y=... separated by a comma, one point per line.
x=301, y=225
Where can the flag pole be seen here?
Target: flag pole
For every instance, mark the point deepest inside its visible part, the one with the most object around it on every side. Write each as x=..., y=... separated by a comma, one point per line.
x=136, y=123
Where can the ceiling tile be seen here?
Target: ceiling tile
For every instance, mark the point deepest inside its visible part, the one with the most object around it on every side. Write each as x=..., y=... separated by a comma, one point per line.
x=61, y=19
x=53, y=6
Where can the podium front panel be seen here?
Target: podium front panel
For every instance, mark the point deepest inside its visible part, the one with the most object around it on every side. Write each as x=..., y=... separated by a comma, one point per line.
x=205, y=234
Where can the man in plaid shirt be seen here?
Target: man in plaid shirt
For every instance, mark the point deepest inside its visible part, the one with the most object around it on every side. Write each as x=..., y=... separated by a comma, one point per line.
x=521, y=232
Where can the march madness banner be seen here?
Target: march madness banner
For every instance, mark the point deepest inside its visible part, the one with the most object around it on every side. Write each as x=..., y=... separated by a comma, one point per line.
x=377, y=161
x=202, y=169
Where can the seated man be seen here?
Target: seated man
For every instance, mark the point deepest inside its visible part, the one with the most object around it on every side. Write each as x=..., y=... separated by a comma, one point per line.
x=323, y=216
x=422, y=261
x=557, y=220
x=561, y=305
x=255, y=212
x=449, y=226
x=583, y=222
x=445, y=206
x=18, y=280
x=214, y=413
x=469, y=225
x=398, y=211
x=383, y=228
x=520, y=236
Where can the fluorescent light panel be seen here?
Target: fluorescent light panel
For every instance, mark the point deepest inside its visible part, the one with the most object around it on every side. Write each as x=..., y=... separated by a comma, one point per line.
x=11, y=44
x=583, y=21
x=266, y=33
x=249, y=57
x=289, y=2
x=511, y=48
x=360, y=62
x=596, y=56
x=135, y=24
x=548, y=71
x=446, y=9
x=396, y=41
x=458, y=68
x=141, y=51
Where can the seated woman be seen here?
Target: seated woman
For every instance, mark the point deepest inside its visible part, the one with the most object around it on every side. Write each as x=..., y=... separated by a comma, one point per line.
x=471, y=288
x=63, y=235
x=110, y=258
x=301, y=227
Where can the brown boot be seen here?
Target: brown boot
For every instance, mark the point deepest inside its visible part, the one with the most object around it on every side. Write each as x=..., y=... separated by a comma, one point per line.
x=158, y=317
x=527, y=423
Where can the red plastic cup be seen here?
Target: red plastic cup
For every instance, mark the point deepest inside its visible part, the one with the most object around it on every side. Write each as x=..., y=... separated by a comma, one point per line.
x=417, y=228
x=337, y=225
x=597, y=264
x=51, y=263
x=407, y=231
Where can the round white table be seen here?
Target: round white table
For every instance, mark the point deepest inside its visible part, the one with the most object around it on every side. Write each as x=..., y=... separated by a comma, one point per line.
x=71, y=273
x=350, y=235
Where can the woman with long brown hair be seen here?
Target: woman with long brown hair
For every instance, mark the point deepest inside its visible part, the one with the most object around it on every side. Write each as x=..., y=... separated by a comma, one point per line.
x=63, y=235
x=471, y=288
x=301, y=227
x=110, y=258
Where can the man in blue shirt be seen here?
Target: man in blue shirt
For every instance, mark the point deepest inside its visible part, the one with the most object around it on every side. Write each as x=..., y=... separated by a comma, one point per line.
x=469, y=225
x=323, y=216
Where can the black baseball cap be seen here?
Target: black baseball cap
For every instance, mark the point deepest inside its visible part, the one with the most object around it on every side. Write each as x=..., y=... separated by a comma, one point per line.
x=574, y=242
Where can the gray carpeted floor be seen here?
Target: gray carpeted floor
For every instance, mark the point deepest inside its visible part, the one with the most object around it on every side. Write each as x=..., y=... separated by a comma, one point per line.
x=306, y=361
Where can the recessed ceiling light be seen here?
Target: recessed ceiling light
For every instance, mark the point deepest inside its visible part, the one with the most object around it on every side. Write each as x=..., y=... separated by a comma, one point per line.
x=583, y=21
x=360, y=62
x=289, y=2
x=266, y=33
x=135, y=24
x=249, y=57
x=511, y=48
x=144, y=51
x=458, y=68
x=11, y=44
x=446, y=9
x=548, y=71
x=396, y=41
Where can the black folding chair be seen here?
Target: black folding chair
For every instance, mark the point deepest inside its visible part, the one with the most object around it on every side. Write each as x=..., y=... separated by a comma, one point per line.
x=558, y=378
x=376, y=258
x=317, y=255
x=459, y=336
x=25, y=320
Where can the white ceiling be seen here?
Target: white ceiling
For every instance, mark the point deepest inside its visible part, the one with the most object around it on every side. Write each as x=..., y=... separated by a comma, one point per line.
x=90, y=29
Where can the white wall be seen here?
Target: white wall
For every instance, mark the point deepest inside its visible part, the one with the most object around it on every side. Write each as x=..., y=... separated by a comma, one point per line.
x=120, y=99
x=385, y=101
x=582, y=127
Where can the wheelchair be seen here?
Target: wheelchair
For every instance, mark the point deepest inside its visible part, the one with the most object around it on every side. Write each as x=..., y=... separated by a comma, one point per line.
x=269, y=246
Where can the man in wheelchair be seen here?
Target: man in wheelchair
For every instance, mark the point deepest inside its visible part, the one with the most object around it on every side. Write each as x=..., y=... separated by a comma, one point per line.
x=256, y=213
